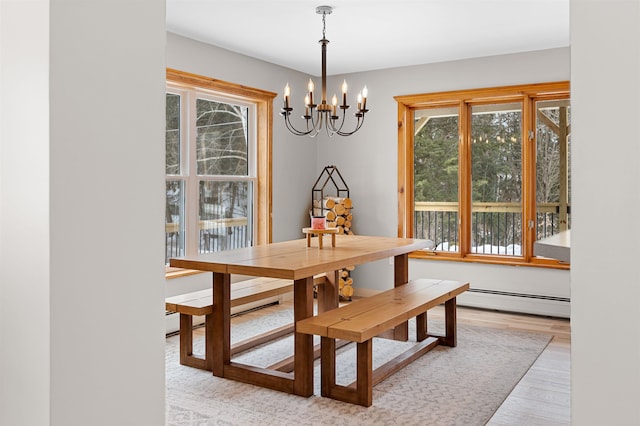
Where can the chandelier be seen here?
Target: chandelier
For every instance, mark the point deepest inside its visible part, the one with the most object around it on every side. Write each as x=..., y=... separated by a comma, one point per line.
x=324, y=115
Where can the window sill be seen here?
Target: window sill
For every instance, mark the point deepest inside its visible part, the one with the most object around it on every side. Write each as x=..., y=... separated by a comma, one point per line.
x=493, y=260
x=170, y=273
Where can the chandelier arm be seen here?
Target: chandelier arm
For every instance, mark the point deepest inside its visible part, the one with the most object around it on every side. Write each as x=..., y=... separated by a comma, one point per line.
x=333, y=126
x=291, y=128
x=358, y=125
x=315, y=125
x=329, y=128
x=342, y=121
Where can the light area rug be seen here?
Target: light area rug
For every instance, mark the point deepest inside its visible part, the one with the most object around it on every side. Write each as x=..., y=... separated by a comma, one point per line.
x=464, y=385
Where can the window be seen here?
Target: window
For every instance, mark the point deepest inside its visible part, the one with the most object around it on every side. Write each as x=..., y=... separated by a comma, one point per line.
x=484, y=173
x=218, y=165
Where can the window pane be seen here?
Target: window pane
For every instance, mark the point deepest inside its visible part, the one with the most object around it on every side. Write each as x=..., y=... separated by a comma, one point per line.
x=496, y=179
x=225, y=215
x=552, y=168
x=174, y=220
x=436, y=177
x=172, y=134
x=221, y=138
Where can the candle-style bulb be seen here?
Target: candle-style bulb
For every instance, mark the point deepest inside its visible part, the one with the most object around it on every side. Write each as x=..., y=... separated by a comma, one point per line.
x=310, y=86
x=365, y=92
x=306, y=100
x=334, y=100
x=344, y=93
x=287, y=92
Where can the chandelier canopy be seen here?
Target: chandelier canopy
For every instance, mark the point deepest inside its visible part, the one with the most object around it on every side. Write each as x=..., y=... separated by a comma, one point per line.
x=323, y=115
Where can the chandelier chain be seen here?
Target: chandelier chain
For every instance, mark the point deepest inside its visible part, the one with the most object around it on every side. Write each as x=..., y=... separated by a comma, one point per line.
x=324, y=25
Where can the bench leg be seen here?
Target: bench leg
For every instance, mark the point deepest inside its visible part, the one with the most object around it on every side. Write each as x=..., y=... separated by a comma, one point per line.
x=450, y=323
x=364, y=379
x=327, y=365
x=186, y=338
x=186, y=344
x=361, y=392
x=421, y=327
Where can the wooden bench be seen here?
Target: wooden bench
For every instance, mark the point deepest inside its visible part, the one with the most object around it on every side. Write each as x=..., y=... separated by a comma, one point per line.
x=200, y=303
x=363, y=319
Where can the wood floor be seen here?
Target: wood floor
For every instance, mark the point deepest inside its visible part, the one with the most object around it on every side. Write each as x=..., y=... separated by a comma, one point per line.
x=543, y=395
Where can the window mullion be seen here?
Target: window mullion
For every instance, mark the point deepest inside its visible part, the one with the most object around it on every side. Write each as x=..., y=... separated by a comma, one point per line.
x=528, y=177
x=192, y=181
x=465, y=190
x=406, y=190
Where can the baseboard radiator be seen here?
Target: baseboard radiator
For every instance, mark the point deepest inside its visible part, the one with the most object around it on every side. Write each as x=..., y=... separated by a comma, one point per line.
x=526, y=303
x=536, y=304
x=530, y=296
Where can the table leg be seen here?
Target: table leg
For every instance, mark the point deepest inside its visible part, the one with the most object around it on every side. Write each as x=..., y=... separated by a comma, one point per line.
x=308, y=239
x=220, y=333
x=320, y=238
x=401, y=277
x=333, y=240
x=328, y=292
x=303, y=343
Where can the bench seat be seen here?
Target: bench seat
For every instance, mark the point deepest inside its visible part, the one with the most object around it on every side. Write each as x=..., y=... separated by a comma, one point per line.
x=363, y=319
x=200, y=303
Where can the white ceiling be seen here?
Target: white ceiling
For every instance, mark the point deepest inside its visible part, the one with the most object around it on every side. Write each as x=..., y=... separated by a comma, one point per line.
x=372, y=34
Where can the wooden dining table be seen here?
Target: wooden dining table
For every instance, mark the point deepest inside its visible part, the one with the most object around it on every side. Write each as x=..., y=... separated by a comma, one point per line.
x=296, y=261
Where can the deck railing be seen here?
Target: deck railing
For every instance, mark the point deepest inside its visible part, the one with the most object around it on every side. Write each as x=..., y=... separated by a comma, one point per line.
x=215, y=235
x=496, y=228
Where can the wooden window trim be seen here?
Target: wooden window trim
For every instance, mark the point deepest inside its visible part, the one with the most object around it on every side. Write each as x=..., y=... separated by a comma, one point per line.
x=528, y=94
x=264, y=109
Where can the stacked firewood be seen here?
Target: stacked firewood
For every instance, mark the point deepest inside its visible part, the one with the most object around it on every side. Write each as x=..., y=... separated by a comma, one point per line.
x=337, y=211
x=346, y=283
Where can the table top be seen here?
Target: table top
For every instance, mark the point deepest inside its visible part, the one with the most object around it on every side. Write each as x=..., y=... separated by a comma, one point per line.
x=294, y=260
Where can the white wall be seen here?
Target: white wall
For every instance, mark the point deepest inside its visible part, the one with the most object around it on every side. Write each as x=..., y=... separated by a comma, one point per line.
x=605, y=331
x=368, y=162
x=24, y=213
x=82, y=199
